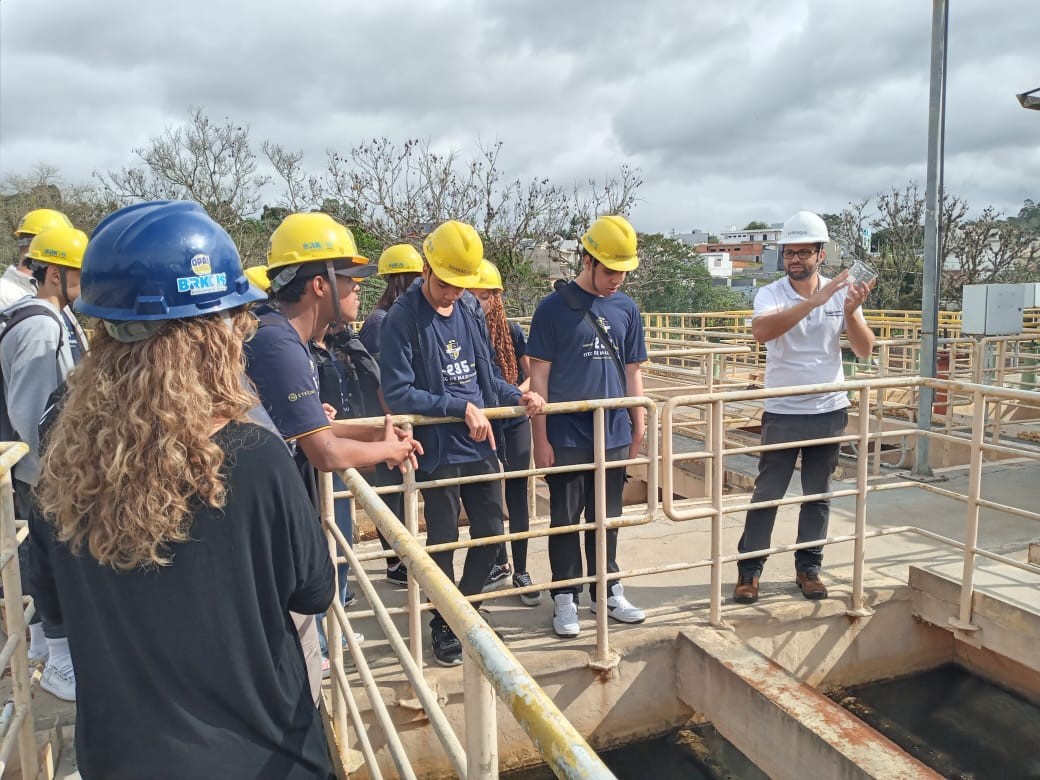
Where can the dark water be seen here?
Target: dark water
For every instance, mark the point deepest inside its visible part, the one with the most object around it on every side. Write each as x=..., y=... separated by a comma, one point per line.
x=958, y=723
x=669, y=758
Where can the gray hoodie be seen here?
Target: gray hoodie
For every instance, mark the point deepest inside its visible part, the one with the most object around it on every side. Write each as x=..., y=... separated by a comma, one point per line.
x=33, y=367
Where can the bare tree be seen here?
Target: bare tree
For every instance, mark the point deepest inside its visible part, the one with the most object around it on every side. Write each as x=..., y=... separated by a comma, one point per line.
x=398, y=193
x=212, y=164
x=43, y=187
x=990, y=249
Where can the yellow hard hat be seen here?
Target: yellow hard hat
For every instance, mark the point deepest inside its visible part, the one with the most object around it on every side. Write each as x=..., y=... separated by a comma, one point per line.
x=39, y=220
x=612, y=241
x=400, y=259
x=59, y=246
x=257, y=276
x=312, y=238
x=488, y=277
x=454, y=252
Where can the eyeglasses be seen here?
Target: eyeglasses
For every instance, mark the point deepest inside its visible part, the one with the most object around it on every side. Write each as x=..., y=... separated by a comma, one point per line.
x=801, y=254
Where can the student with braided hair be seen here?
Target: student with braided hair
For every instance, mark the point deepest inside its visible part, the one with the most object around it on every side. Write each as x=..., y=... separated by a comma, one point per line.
x=514, y=449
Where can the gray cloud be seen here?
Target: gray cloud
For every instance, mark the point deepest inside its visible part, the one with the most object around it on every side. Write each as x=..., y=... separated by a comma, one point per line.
x=732, y=111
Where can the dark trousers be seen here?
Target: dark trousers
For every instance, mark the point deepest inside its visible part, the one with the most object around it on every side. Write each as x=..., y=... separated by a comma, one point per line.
x=571, y=495
x=483, y=502
x=25, y=508
x=515, y=453
x=775, y=470
x=385, y=477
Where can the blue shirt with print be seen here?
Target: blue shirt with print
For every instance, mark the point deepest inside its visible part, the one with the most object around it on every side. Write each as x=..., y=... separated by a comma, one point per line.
x=458, y=365
x=582, y=367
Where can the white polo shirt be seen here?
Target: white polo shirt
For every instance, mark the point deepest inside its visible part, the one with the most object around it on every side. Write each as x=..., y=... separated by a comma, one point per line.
x=808, y=354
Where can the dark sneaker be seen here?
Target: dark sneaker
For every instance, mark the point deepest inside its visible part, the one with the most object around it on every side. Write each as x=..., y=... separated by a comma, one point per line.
x=350, y=599
x=810, y=585
x=746, y=591
x=523, y=580
x=398, y=575
x=498, y=578
x=447, y=649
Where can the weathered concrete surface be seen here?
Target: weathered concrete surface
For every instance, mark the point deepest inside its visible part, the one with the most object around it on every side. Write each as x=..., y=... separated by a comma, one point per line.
x=814, y=641
x=786, y=728
x=1005, y=607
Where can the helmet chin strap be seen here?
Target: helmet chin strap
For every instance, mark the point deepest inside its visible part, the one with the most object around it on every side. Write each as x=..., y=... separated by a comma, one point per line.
x=337, y=313
x=64, y=287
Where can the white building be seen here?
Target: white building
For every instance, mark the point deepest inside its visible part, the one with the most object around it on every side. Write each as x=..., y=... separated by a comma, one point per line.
x=718, y=264
x=762, y=235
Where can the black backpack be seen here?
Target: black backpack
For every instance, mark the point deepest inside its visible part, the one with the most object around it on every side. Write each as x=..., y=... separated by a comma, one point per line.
x=363, y=378
x=8, y=319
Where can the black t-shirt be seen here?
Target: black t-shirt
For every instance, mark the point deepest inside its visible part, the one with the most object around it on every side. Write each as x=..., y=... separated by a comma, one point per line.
x=195, y=669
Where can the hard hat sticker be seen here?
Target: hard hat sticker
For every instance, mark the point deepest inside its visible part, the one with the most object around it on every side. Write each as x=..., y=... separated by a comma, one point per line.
x=200, y=264
x=199, y=285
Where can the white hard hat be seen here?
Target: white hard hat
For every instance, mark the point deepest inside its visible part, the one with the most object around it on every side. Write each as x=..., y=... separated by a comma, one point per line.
x=804, y=228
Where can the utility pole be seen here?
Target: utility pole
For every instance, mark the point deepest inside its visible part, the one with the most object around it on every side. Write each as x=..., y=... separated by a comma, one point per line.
x=932, y=227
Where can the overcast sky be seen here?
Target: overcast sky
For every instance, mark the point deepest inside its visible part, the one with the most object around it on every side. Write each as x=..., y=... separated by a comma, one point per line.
x=732, y=111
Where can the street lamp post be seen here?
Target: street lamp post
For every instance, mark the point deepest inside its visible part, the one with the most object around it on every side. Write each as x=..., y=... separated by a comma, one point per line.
x=932, y=218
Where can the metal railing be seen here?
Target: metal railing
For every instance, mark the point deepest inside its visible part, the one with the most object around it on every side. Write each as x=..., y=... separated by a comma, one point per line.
x=715, y=453
x=487, y=663
x=17, y=718
x=486, y=658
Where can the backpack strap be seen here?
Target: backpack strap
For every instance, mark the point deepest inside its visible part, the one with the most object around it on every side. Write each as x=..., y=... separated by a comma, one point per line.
x=575, y=303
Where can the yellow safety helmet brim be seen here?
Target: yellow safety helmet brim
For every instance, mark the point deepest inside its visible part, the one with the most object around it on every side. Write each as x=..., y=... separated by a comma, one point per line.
x=312, y=238
x=400, y=259
x=490, y=278
x=62, y=246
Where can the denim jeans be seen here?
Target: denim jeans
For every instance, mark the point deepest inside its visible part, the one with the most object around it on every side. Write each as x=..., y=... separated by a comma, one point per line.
x=775, y=469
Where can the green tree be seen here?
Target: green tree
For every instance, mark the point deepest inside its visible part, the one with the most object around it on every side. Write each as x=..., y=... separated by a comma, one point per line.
x=756, y=225
x=672, y=277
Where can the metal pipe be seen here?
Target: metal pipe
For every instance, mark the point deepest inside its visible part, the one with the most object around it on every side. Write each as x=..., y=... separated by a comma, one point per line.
x=393, y=739
x=972, y=535
x=481, y=725
x=599, y=443
x=21, y=729
x=932, y=228
x=412, y=670
x=858, y=605
x=718, y=440
x=556, y=739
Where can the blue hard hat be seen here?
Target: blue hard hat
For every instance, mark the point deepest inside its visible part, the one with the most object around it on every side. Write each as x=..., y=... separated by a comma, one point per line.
x=161, y=260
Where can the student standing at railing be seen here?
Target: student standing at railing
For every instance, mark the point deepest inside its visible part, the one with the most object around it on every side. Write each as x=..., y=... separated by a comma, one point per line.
x=514, y=448
x=399, y=265
x=314, y=267
x=800, y=319
x=436, y=361
x=586, y=343
x=180, y=536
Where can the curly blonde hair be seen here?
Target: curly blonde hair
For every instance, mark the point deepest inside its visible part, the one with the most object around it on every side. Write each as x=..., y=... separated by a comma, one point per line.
x=502, y=339
x=130, y=457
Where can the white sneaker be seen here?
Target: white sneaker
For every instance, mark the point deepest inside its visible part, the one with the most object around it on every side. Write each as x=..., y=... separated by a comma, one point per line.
x=565, y=615
x=620, y=608
x=60, y=683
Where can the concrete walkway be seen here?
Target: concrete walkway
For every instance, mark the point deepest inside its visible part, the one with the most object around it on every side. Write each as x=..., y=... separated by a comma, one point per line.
x=679, y=599
x=682, y=597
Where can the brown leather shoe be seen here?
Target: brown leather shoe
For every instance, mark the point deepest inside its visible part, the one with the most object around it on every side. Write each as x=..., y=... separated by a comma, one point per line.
x=811, y=587
x=746, y=591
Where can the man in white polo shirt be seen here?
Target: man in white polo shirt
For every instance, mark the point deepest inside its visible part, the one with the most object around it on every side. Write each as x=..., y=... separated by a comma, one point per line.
x=800, y=319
